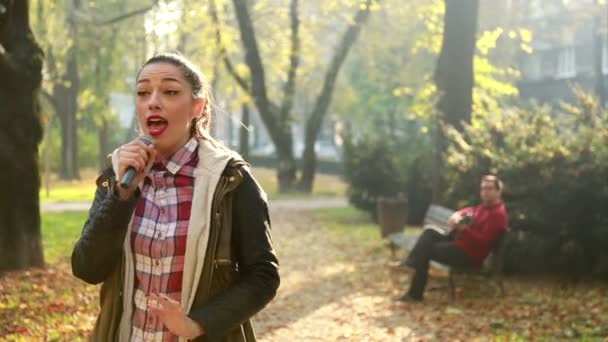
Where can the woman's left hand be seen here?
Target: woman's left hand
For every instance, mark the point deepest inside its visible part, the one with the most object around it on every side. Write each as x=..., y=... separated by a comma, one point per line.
x=173, y=317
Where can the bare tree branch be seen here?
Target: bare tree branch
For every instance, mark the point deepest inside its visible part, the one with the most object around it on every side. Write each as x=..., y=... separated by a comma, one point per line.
x=103, y=22
x=252, y=57
x=290, y=85
x=223, y=54
x=313, y=124
x=324, y=98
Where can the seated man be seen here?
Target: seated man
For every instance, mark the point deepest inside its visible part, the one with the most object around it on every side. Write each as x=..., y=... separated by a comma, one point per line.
x=473, y=240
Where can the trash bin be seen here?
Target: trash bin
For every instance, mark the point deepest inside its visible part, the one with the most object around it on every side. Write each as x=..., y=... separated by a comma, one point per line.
x=392, y=214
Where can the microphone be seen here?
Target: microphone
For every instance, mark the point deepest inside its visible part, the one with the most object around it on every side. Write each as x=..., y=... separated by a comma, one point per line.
x=129, y=175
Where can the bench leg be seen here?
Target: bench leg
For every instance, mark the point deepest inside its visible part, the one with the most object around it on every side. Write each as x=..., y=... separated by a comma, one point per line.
x=452, y=286
x=501, y=287
x=393, y=250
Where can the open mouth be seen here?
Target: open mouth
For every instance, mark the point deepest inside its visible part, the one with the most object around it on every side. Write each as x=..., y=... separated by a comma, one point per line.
x=156, y=125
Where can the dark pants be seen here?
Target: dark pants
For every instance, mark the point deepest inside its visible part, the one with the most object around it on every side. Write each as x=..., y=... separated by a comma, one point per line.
x=433, y=246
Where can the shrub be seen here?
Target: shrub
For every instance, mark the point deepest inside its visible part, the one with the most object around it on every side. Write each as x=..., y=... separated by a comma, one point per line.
x=388, y=166
x=555, y=165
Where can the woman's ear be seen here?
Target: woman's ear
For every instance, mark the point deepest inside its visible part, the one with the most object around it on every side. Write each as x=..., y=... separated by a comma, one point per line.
x=199, y=107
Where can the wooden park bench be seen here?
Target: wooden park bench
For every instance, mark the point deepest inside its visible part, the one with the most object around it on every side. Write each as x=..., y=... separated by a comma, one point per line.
x=436, y=218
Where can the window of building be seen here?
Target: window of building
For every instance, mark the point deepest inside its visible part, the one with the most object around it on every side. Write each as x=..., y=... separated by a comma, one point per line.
x=532, y=67
x=566, y=63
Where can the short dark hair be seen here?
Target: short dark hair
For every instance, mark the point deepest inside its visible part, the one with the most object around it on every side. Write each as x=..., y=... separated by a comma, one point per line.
x=493, y=179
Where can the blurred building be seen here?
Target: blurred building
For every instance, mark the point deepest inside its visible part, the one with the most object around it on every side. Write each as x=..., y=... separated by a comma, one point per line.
x=569, y=49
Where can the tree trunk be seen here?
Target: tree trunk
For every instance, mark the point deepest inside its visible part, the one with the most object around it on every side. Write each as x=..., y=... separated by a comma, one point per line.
x=244, y=133
x=315, y=120
x=104, y=143
x=454, y=73
x=279, y=128
x=287, y=167
x=454, y=77
x=66, y=94
x=437, y=183
x=20, y=133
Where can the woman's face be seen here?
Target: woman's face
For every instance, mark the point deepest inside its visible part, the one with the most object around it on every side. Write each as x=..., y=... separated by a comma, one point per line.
x=165, y=106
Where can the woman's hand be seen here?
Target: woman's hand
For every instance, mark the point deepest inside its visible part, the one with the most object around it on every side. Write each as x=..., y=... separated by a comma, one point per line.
x=138, y=155
x=173, y=317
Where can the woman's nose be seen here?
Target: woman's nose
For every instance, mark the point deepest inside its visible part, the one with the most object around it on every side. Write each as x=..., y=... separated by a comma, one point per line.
x=154, y=101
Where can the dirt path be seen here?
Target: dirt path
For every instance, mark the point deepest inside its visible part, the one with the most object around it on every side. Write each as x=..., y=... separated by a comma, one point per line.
x=330, y=289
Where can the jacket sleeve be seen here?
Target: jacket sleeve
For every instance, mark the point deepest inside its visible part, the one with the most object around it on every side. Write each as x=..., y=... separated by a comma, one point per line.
x=100, y=246
x=490, y=233
x=258, y=265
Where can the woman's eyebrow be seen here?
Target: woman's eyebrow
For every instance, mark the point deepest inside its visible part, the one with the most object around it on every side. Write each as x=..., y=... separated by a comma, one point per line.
x=166, y=79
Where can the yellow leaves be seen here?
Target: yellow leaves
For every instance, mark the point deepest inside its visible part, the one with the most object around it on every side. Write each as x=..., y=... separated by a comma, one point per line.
x=493, y=80
x=431, y=15
x=451, y=310
x=375, y=6
x=488, y=153
x=487, y=40
x=424, y=130
x=402, y=91
x=526, y=35
x=526, y=48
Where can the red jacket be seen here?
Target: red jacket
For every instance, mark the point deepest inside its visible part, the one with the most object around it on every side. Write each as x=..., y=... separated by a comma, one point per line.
x=489, y=222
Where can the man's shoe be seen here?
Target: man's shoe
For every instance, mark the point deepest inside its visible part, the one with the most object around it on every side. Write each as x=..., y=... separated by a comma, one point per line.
x=409, y=263
x=406, y=298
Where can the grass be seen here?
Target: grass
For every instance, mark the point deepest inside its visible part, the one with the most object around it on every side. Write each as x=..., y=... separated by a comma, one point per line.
x=76, y=193
x=354, y=224
x=324, y=186
x=83, y=190
x=60, y=230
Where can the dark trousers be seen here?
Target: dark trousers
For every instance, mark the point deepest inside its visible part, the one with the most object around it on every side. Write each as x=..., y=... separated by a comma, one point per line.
x=433, y=246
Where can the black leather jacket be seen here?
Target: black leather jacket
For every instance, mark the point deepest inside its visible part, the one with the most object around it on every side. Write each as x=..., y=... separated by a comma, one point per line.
x=222, y=313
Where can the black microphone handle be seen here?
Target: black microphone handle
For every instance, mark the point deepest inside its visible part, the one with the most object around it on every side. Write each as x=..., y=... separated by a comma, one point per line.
x=129, y=175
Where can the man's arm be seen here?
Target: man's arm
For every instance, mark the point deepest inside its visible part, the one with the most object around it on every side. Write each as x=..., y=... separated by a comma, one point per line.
x=497, y=224
x=456, y=217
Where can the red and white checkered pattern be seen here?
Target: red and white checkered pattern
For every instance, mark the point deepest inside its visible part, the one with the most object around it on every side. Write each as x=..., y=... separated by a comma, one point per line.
x=158, y=238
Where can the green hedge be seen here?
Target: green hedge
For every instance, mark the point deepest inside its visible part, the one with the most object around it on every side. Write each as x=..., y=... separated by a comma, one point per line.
x=555, y=166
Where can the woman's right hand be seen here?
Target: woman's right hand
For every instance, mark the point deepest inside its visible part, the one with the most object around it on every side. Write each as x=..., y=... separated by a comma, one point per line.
x=138, y=155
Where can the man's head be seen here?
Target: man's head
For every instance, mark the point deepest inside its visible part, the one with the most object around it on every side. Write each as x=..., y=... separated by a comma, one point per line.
x=491, y=190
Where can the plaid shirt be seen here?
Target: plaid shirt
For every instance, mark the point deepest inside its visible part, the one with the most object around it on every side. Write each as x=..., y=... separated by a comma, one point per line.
x=158, y=238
